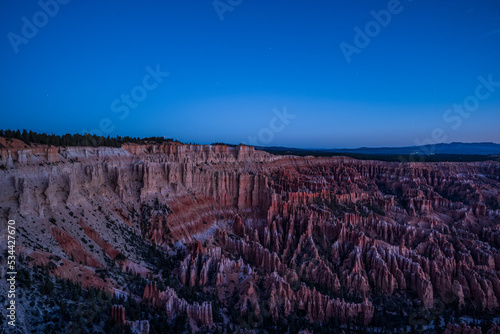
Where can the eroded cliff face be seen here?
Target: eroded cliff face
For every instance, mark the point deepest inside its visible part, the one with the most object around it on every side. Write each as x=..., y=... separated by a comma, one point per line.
x=327, y=239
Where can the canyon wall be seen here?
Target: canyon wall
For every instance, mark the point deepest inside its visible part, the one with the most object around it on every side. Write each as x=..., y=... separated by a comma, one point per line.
x=321, y=237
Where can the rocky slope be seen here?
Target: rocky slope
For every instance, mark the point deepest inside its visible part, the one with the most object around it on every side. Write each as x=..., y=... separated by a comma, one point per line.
x=253, y=240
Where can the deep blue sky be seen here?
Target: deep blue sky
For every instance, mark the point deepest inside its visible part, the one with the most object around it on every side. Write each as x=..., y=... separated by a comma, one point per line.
x=226, y=76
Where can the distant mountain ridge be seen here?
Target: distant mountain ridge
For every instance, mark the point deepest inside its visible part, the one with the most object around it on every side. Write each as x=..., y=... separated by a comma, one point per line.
x=455, y=148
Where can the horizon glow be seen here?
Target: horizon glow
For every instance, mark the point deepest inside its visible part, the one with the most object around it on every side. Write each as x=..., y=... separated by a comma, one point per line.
x=101, y=67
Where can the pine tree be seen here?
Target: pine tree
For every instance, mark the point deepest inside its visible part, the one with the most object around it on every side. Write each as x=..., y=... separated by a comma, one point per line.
x=25, y=137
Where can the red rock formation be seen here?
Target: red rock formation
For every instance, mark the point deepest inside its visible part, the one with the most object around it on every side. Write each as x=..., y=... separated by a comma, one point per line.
x=238, y=227
x=118, y=314
x=73, y=248
x=283, y=299
x=137, y=327
x=338, y=225
x=68, y=270
x=174, y=305
x=92, y=234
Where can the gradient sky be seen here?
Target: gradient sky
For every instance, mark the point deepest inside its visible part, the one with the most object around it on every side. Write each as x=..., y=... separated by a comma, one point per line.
x=227, y=76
